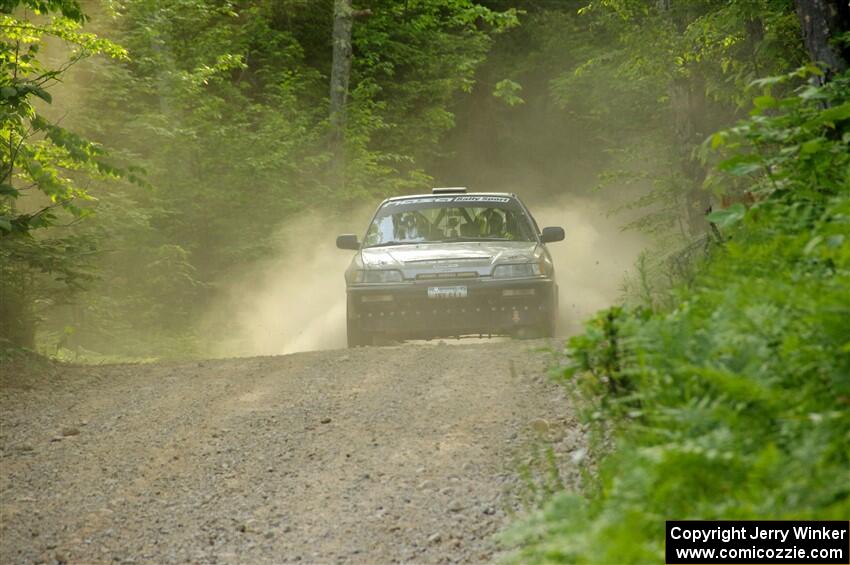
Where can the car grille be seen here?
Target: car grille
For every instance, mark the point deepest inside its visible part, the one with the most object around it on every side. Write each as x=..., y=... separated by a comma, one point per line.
x=443, y=276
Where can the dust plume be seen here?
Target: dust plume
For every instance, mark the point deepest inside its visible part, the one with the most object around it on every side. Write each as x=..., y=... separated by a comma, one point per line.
x=296, y=300
x=594, y=258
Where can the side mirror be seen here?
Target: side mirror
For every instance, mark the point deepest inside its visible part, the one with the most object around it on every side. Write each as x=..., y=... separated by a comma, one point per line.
x=348, y=241
x=552, y=234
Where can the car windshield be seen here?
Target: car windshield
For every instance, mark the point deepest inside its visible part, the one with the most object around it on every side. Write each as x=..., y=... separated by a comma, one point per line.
x=449, y=218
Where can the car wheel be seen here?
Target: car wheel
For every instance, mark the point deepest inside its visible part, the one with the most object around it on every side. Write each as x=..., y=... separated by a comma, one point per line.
x=552, y=319
x=542, y=330
x=548, y=328
x=356, y=336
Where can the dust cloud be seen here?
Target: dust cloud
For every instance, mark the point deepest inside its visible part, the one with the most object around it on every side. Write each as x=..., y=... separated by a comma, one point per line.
x=292, y=302
x=593, y=260
x=296, y=301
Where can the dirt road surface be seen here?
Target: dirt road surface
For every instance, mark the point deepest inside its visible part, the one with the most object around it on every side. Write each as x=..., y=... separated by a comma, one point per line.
x=375, y=455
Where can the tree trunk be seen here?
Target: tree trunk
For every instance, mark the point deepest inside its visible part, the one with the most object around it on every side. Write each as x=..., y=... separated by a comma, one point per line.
x=17, y=319
x=687, y=101
x=688, y=108
x=340, y=73
x=821, y=22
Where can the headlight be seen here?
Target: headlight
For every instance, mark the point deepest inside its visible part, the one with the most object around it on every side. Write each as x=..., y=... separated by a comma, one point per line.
x=378, y=276
x=517, y=271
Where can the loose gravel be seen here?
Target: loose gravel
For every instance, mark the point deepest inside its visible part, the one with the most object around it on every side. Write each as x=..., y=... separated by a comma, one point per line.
x=375, y=455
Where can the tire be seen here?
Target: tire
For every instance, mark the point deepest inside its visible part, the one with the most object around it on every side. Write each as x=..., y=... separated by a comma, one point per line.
x=551, y=323
x=356, y=336
x=541, y=330
x=547, y=330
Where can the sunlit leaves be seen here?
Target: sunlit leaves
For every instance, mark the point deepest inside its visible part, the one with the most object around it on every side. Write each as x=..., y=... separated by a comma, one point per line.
x=47, y=163
x=69, y=9
x=789, y=147
x=38, y=152
x=509, y=92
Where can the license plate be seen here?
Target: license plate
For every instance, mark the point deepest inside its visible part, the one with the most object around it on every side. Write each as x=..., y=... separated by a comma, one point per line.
x=446, y=292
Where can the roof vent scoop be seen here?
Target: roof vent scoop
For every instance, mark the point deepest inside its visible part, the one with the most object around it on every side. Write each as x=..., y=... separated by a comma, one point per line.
x=449, y=190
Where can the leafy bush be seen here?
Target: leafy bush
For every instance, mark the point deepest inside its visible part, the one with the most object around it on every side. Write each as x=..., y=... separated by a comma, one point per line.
x=44, y=168
x=735, y=402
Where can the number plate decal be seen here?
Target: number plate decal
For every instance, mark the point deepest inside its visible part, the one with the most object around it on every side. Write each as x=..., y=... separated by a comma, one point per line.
x=446, y=292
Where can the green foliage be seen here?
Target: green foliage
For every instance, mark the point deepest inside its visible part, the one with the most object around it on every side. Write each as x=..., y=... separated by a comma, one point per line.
x=43, y=168
x=416, y=56
x=725, y=45
x=732, y=404
x=225, y=107
x=70, y=9
x=509, y=91
x=37, y=154
x=655, y=101
x=798, y=155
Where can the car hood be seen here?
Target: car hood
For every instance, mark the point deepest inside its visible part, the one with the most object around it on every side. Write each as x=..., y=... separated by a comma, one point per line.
x=422, y=259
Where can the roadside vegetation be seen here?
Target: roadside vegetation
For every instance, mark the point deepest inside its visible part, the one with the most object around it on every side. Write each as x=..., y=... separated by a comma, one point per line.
x=733, y=402
x=720, y=388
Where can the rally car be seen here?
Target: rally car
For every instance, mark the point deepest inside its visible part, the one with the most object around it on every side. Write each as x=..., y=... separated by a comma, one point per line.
x=450, y=264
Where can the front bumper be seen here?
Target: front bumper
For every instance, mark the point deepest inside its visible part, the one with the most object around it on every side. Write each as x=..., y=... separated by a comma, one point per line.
x=491, y=307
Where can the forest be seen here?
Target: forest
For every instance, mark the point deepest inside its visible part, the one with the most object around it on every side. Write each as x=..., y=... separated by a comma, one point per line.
x=154, y=150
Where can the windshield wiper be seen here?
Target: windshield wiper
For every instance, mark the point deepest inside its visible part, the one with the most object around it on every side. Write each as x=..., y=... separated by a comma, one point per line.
x=449, y=240
x=456, y=239
x=391, y=243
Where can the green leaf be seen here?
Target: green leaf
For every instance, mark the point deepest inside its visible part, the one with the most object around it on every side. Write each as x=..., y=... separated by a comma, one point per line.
x=810, y=146
x=741, y=165
x=508, y=91
x=764, y=102
x=717, y=140
x=812, y=244
x=728, y=216
x=835, y=114
x=43, y=94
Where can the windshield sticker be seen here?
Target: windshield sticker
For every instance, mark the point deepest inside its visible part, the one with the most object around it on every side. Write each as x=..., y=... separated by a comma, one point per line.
x=426, y=200
x=482, y=199
x=446, y=199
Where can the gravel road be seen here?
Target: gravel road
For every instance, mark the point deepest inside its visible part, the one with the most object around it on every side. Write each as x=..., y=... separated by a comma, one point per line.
x=375, y=455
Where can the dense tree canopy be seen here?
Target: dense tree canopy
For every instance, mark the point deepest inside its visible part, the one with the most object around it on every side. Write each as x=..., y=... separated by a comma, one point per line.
x=225, y=109
x=201, y=127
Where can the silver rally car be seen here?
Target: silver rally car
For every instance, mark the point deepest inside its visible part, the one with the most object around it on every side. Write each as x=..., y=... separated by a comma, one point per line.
x=451, y=263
